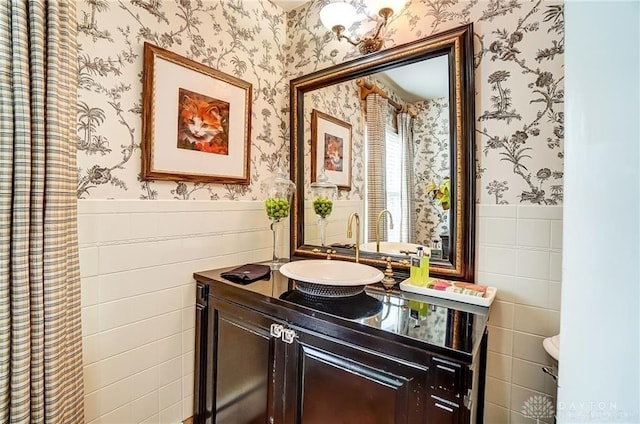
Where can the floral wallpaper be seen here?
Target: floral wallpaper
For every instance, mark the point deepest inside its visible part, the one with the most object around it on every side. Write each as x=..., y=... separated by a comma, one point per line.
x=431, y=164
x=341, y=101
x=519, y=47
x=242, y=38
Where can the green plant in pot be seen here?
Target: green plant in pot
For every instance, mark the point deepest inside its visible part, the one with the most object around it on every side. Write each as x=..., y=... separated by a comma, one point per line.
x=279, y=191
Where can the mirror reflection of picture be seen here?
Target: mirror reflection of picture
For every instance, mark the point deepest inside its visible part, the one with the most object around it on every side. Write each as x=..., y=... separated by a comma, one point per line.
x=203, y=123
x=333, y=152
x=331, y=145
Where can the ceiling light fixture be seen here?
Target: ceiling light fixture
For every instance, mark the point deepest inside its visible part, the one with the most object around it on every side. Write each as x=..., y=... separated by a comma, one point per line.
x=339, y=16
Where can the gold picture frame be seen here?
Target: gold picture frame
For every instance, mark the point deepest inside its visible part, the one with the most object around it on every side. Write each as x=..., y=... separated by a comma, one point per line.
x=196, y=121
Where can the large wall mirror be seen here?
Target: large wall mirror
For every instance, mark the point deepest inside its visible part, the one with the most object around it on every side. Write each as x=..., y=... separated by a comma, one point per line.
x=394, y=132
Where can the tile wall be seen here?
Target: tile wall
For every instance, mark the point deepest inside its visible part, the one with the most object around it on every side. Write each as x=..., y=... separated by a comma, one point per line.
x=137, y=259
x=519, y=251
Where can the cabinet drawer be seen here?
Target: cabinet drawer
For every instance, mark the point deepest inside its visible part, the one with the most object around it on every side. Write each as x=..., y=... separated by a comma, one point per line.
x=446, y=375
x=443, y=411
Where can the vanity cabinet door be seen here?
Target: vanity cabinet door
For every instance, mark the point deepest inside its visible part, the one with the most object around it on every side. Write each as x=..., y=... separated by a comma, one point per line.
x=245, y=357
x=331, y=381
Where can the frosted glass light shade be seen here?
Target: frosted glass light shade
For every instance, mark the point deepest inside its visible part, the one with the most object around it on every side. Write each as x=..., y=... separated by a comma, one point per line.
x=338, y=14
x=374, y=6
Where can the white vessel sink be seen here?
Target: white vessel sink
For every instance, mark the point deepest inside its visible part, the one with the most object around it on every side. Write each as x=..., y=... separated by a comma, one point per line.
x=331, y=272
x=390, y=247
x=552, y=346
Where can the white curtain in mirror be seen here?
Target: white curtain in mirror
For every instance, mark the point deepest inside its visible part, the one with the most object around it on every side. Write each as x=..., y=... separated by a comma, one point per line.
x=393, y=176
x=407, y=217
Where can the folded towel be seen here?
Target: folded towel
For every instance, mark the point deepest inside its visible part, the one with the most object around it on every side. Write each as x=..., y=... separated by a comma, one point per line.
x=248, y=273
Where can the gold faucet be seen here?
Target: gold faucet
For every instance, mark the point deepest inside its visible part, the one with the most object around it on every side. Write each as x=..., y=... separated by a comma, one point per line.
x=350, y=233
x=380, y=215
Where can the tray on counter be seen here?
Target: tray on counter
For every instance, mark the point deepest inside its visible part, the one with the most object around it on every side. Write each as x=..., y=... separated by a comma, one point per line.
x=486, y=300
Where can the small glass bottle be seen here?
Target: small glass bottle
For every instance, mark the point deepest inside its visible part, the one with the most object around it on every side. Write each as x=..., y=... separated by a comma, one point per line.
x=436, y=252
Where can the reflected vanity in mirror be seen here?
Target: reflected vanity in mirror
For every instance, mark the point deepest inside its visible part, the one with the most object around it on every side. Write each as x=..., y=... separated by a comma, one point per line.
x=395, y=134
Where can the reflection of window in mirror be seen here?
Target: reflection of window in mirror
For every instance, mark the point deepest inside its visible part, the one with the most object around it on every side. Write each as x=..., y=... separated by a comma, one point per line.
x=393, y=176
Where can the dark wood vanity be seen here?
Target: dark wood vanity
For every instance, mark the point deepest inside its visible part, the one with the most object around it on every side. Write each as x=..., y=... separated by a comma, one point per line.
x=267, y=354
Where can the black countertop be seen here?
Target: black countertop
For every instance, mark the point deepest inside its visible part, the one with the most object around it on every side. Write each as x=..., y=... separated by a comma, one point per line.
x=450, y=327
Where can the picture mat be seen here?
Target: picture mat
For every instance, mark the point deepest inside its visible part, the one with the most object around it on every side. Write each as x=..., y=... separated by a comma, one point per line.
x=169, y=77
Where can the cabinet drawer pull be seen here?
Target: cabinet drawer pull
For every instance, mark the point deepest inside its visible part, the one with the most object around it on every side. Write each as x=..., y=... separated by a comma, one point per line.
x=445, y=368
x=288, y=336
x=446, y=402
x=442, y=361
x=446, y=408
x=276, y=330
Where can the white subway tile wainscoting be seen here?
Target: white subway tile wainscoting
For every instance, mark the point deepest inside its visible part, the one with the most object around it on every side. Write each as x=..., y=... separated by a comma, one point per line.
x=138, y=297
x=519, y=252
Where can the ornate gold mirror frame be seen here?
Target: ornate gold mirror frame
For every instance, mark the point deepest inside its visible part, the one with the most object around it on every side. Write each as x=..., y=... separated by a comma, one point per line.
x=457, y=45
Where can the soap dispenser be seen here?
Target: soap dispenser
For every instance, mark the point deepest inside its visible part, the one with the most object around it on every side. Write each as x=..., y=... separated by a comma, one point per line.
x=424, y=266
x=415, y=270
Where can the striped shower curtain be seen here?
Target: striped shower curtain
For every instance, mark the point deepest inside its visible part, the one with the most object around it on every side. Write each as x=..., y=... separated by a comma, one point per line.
x=40, y=333
x=376, y=119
